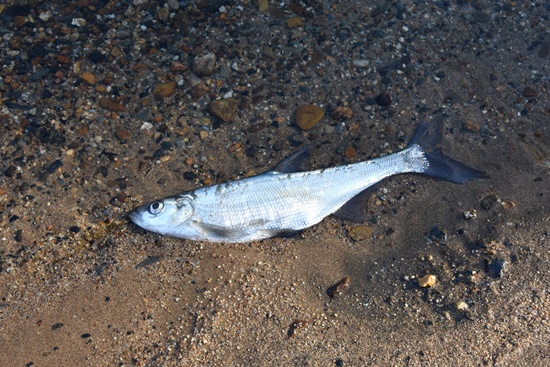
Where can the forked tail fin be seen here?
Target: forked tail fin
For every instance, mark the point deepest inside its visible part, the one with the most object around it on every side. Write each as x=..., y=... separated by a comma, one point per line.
x=428, y=137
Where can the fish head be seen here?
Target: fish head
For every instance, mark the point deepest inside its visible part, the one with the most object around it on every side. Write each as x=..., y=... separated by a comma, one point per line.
x=164, y=216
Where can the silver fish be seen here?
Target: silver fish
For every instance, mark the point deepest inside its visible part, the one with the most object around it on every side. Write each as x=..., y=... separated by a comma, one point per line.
x=286, y=200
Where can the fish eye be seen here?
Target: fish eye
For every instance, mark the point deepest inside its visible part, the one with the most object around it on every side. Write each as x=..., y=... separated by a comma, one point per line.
x=156, y=207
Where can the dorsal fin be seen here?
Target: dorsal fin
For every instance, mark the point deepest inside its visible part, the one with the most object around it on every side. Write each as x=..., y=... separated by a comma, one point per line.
x=297, y=162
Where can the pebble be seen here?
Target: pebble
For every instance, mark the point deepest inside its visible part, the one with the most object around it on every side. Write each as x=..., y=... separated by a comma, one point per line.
x=342, y=113
x=308, y=116
x=427, y=281
x=164, y=90
x=87, y=78
x=471, y=126
x=339, y=288
x=360, y=63
x=204, y=65
x=383, y=100
x=350, y=152
x=261, y=5
x=52, y=167
x=529, y=92
x=110, y=105
x=199, y=91
x=496, y=267
x=461, y=306
x=360, y=232
x=295, y=22
x=470, y=214
x=122, y=134
x=224, y=108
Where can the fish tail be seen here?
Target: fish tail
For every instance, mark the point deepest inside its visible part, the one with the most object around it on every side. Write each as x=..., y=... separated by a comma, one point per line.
x=427, y=137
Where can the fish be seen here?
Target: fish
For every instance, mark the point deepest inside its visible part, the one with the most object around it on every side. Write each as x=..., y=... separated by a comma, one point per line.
x=289, y=199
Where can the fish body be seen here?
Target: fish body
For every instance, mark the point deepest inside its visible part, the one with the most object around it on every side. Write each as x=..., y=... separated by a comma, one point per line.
x=284, y=201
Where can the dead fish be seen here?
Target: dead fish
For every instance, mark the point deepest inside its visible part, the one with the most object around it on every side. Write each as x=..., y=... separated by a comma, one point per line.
x=287, y=199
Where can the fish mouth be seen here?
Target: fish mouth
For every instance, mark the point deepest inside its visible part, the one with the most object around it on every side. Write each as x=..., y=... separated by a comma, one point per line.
x=134, y=217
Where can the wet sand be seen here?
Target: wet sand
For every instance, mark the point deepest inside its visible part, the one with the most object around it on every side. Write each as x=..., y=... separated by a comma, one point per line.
x=105, y=106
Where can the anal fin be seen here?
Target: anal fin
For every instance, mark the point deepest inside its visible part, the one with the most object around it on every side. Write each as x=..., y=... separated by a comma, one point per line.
x=355, y=209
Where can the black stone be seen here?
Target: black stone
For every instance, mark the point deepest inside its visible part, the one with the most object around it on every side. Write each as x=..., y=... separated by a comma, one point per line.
x=495, y=268
x=96, y=57
x=58, y=325
x=383, y=99
x=52, y=167
x=10, y=171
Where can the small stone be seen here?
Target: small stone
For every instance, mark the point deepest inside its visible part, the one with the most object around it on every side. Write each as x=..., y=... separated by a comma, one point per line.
x=261, y=5
x=507, y=205
x=470, y=214
x=461, y=306
x=122, y=134
x=62, y=59
x=495, y=268
x=224, y=108
x=199, y=91
x=308, y=116
x=203, y=134
x=173, y=4
x=87, y=78
x=52, y=167
x=383, y=100
x=19, y=21
x=360, y=232
x=295, y=22
x=204, y=65
x=350, y=153
x=471, y=126
x=427, y=281
x=342, y=113
x=489, y=201
x=110, y=105
x=164, y=90
x=337, y=289
x=529, y=92
x=177, y=66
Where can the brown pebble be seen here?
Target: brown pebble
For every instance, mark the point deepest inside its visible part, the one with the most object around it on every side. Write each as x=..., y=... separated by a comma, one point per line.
x=19, y=21
x=199, y=91
x=471, y=126
x=261, y=5
x=224, y=108
x=295, y=22
x=122, y=134
x=164, y=90
x=339, y=288
x=62, y=59
x=350, y=152
x=177, y=66
x=296, y=325
x=427, y=281
x=110, y=105
x=83, y=129
x=296, y=9
x=308, y=116
x=342, y=113
x=360, y=232
x=529, y=92
x=87, y=78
